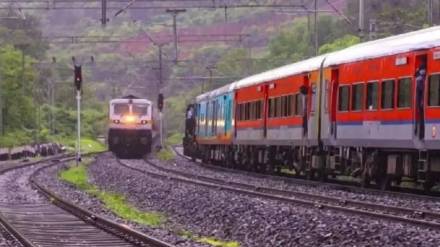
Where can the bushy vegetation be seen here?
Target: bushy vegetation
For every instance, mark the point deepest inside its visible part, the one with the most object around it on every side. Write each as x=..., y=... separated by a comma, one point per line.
x=129, y=68
x=27, y=79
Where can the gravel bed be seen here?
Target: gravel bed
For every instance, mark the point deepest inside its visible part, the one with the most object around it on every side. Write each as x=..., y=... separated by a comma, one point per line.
x=252, y=221
x=7, y=240
x=49, y=178
x=182, y=164
x=15, y=188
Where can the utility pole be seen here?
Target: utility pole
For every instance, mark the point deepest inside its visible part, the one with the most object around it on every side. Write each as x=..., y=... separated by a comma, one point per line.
x=210, y=69
x=316, y=28
x=361, y=18
x=430, y=7
x=1, y=111
x=160, y=63
x=51, y=97
x=372, y=30
x=104, y=19
x=22, y=70
x=175, y=12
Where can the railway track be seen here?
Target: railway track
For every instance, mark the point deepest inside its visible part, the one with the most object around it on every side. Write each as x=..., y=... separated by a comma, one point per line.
x=52, y=221
x=331, y=183
x=384, y=212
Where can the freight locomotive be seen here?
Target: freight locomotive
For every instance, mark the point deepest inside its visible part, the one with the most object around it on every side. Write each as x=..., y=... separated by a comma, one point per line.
x=130, y=131
x=370, y=111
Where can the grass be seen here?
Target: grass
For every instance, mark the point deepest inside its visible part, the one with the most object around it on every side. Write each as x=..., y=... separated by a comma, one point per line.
x=77, y=176
x=174, y=139
x=165, y=154
x=217, y=243
x=117, y=203
x=88, y=145
x=209, y=240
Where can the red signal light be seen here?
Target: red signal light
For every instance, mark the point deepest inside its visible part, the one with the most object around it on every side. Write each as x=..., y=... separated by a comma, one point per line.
x=78, y=77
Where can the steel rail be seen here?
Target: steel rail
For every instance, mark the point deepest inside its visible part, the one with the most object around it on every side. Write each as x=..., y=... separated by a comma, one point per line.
x=322, y=202
x=13, y=230
x=337, y=184
x=110, y=226
x=119, y=230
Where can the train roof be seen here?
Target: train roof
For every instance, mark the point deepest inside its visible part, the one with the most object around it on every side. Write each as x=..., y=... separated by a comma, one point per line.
x=288, y=70
x=417, y=40
x=217, y=92
x=126, y=100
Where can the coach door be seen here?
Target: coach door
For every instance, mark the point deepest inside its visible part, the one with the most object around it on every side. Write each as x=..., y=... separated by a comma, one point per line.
x=333, y=101
x=420, y=85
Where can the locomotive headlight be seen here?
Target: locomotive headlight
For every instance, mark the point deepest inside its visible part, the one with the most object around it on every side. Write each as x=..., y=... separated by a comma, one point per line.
x=144, y=122
x=129, y=119
x=116, y=121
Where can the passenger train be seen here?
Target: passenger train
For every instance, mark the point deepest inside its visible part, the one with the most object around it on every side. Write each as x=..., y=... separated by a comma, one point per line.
x=130, y=131
x=370, y=111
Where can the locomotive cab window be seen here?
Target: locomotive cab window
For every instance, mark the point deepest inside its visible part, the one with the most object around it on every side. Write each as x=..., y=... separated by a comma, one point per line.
x=387, y=94
x=141, y=109
x=344, y=96
x=121, y=109
x=357, y=97
x=372, y=95
x=404, y=93
x=434, y=90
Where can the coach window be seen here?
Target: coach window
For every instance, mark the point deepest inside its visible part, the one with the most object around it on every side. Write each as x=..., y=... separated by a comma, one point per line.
x=298, y=105
x=357, y=96
x=270, y=110
x=434, y=90
x=344, y=96
x=258, y=109
x=277, y=107
x=253, y=111
x=282, y=106
x=290, y=105
x=372, y=95
x=238, y=112
x=243, y=111
x=387, y=94
x=404, y=93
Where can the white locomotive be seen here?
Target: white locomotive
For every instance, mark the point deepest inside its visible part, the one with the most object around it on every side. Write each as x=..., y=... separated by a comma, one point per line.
x=130, y=131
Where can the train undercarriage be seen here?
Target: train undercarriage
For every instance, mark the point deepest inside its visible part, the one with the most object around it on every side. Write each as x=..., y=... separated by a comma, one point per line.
x=129, y=143
x=368, y=166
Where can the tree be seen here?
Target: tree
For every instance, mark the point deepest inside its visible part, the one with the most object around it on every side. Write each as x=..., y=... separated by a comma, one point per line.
x=294, y=42
x=339, y=44
x=16, y=88
x=391, y=16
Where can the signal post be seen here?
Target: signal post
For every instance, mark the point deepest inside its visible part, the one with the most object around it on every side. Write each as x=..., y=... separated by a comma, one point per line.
x=78, y=82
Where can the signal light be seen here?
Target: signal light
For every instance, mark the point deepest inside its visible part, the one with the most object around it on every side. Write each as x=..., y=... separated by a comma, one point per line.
x=78, y=77
x=160, y=102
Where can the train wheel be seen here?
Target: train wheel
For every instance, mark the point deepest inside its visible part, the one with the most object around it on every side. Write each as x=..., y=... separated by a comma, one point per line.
x=427, y=186
x=365, y=180
x=385, y=183
x=310, y=174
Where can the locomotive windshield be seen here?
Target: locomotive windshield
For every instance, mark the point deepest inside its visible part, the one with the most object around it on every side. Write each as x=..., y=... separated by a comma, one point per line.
x=121, y=109
x=140, y=109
